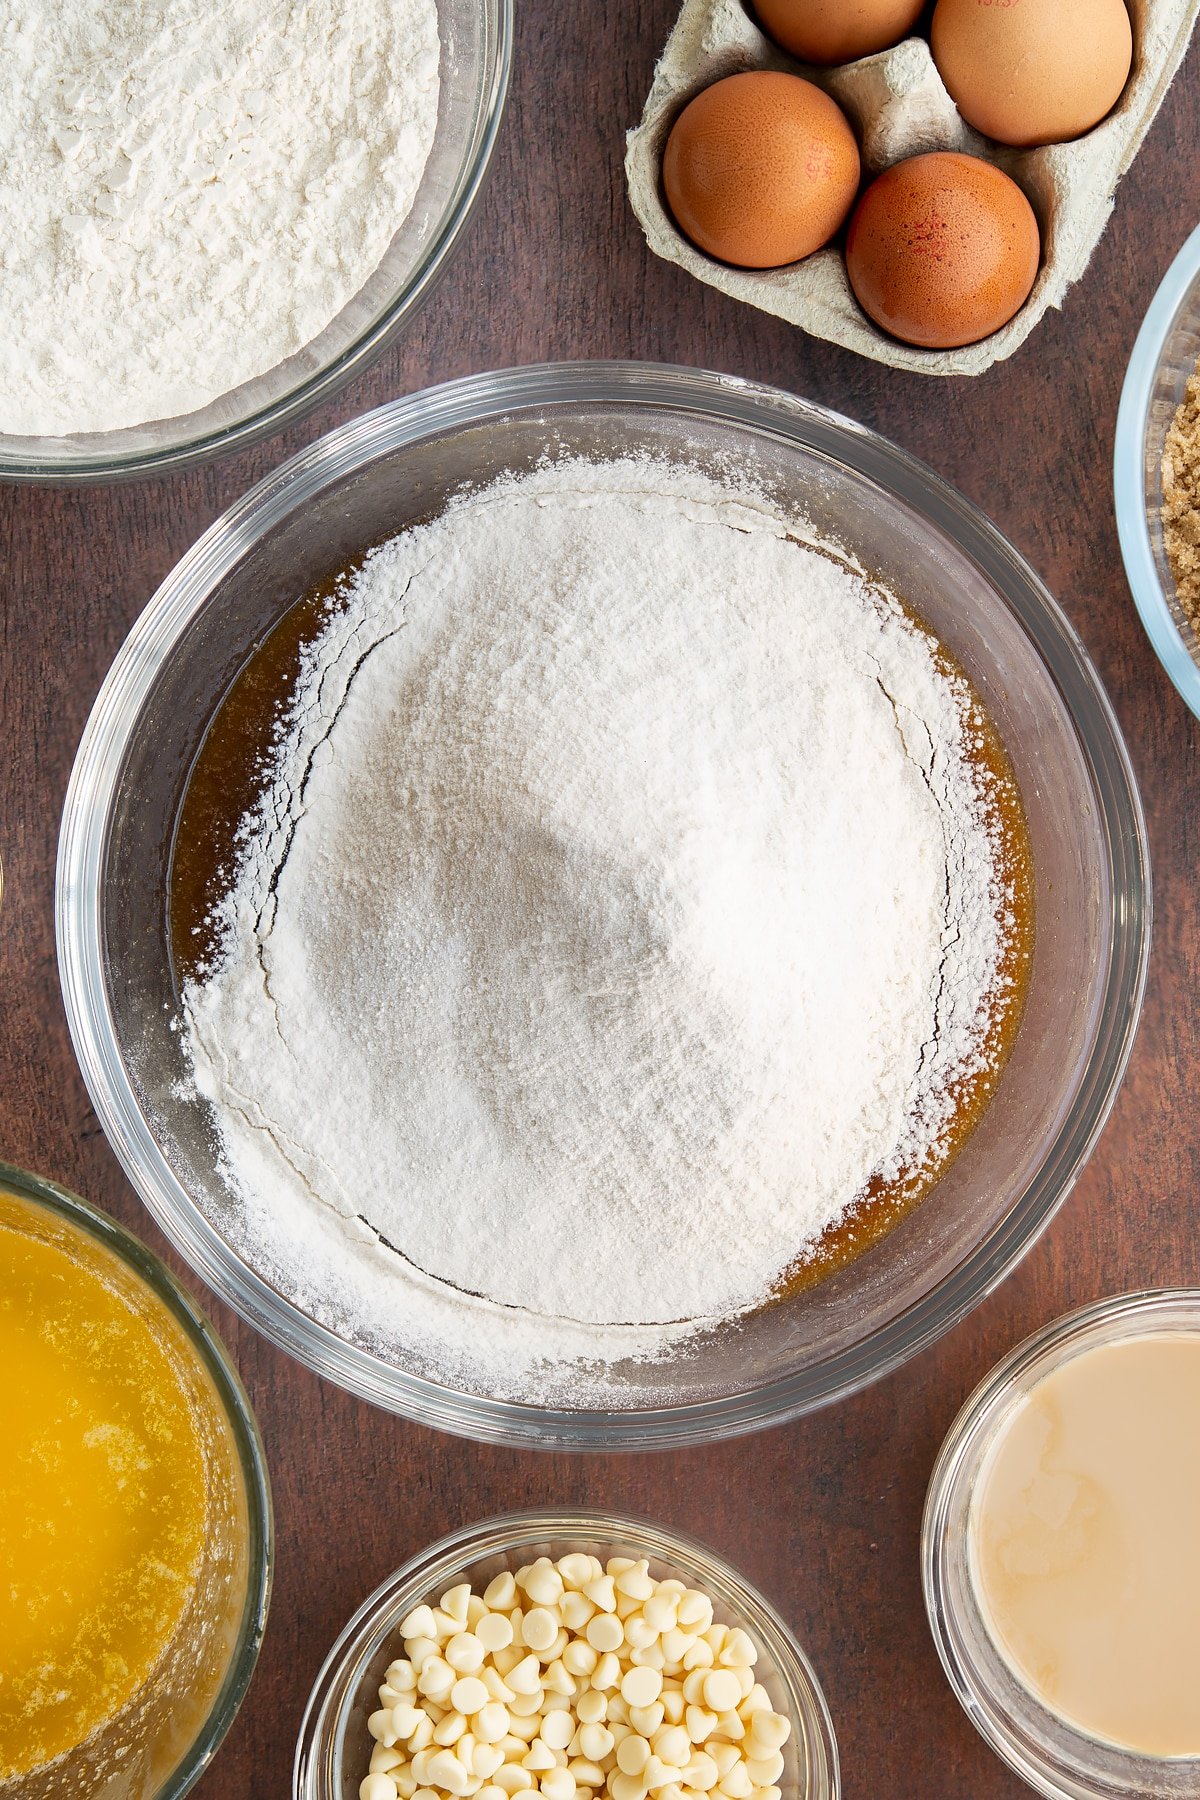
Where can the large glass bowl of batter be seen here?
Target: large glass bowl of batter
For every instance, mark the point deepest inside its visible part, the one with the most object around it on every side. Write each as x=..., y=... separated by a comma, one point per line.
x=476, y=55
x=365, y=482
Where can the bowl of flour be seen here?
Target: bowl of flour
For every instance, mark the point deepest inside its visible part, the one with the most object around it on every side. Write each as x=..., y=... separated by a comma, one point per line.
x=213, y=218
x=602, y=905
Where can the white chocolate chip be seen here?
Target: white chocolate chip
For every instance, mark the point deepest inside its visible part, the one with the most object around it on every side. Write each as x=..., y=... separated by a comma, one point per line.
x=736, y=1783
x=544, y=1584
x=635, y=1582
x=605, y=1632
x=607, y=1673
x=500, y=1594
x=757, y=1700
x=641, y=1687
x=770, y=1729
x=423, y=1733
x=491, y=1722
x=737, y=1652
x=765, y=1770
x=647, y=1719
x=457, y=1601
x=722, y=1690
x=418, y=1624
x=468, y=1695
x=558, y=1728
x=464, y=1652
x=539, y=1628
x=700, y=1722
x=493, y=1631
x=672, y=1745
x=595, y=1742
x=446, y=1771
x=377, y=1786
x=579, y=1658
x=701, y=1772
x=602, y=1593
x=661, y=1610
x=513, y=1779
x=575, y=1569
x=526, y=1678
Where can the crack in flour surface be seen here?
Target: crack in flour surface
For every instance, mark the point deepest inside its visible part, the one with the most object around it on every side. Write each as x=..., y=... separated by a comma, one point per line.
x=621, y=900
x=191, y=193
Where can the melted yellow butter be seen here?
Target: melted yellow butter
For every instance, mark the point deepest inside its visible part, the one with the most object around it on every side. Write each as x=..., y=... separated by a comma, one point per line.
x=102, y=1486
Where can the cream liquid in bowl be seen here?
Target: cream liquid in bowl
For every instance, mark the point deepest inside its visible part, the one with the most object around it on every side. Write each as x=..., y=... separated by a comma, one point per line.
x=1085, y=1542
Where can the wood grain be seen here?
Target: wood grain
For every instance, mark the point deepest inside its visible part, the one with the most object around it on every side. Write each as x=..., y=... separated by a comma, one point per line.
x=823, y=1514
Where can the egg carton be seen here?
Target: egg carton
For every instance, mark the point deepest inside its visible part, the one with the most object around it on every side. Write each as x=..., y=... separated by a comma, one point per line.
x=899, y=107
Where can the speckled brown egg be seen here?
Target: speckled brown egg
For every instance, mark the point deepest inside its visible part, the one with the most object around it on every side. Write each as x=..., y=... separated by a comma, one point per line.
x=760, y=169
x=1033, y=71
x=942, y=250
x=837, y=31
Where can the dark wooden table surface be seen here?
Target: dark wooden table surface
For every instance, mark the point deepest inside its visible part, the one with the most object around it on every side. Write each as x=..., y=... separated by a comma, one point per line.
x=823, y=1514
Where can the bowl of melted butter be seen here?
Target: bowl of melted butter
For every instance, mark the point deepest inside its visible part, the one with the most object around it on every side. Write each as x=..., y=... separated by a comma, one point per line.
x=135, y=1514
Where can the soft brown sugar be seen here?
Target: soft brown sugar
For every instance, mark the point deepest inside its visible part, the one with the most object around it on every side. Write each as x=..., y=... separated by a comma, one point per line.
x=1181, y=501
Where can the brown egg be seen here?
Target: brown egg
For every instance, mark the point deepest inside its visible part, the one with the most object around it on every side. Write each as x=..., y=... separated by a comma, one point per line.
x=942, y=250
x=761, y=169
x=837, y=31
x=1033, y=71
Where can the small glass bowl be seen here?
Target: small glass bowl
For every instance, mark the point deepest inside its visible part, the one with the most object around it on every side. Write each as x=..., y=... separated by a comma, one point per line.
x=127, y=1744
x=476, y=56
x=334, y=1746
x=1055, y=1758
x=1164, y=356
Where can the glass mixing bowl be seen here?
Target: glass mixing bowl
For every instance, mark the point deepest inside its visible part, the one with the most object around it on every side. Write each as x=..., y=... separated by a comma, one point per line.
x=334, y=1746
x=1165, y=354
x=166, y=1735
x=363, y=483
x=476, y=40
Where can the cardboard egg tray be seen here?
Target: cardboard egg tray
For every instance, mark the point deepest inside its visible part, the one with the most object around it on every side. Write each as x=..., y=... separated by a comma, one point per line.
x=899, y=107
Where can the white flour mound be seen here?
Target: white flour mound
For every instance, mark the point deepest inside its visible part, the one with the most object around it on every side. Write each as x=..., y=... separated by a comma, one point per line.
x=191, y=192
x=622, y=897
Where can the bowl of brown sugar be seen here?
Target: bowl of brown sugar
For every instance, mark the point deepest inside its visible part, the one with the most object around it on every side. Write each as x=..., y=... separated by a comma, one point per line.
x=603, y=905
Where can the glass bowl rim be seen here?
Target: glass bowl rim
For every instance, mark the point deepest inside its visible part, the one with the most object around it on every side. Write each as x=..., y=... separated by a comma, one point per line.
x=204, y=1340
x=309, y=392
x=1129, y=491
x=472, y=400
x=502, y=1532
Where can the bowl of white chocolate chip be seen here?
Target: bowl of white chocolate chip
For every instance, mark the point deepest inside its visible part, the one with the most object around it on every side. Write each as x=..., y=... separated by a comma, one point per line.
x=580, y=1656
